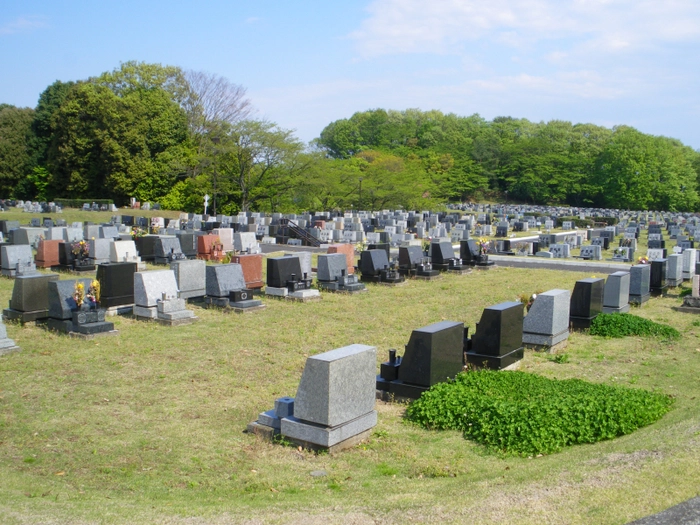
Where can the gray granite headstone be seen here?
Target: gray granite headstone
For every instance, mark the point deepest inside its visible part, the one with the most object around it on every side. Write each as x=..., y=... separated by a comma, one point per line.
x=331, y=266
x=304, y=262
x=674, y=269
x=224, y=278
x=7, y=345
x=14, y=255
x=616, y=293
x=690, y=257
x=591, y=252
x=149, y=287
x=547, y=322
x=191, y=277
x=640, y=277
x=336, y=396
x=100, y=250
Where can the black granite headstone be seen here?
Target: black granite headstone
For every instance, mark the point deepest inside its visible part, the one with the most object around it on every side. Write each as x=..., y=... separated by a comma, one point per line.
x=586, y=302
x=497, y=340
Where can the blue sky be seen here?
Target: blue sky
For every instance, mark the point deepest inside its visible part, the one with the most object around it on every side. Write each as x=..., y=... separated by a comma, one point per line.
x=308, y=63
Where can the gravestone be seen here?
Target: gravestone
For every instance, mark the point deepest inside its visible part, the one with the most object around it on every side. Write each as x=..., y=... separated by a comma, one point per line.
x=689, y=259
x=7, y=345
x=470, y=254
x=640, y=277
x=30, y=298
x=654, y=254
x=252, y=264
x=47, y=254
x=433, y=354
x=334, y=404
x=188, y=243
x=146, y=247
x=546, y=325
x=586, y=302
x=674, y=270
x=190, y=276
x=349, y=251
x=100, y=250
x=17, y=260
x=603, y=242
x=616, y=293
x=125, y=251
x=497, y=342
x=167, y=250
x=332, y=274
x=560, y=251
x=66, y=316
x=117, y=286
x=156, y=297
x=442, y=257
x=375, y=268
x=285, y=279
x=413, y=263
x=657, y=278
x=226, y=288
x=591, y=252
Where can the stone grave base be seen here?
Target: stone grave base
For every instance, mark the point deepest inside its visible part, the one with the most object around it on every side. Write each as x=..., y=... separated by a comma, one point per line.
x=483, y=265
x=269, y=433
x=544, y=341
x=459, y=271
x=658, y=292
x=426, y=277
x=311, y=435
x=192, y=294
x=491, y=362
x=227, y=306
x=304, y=296
x=276, y=292
x=78, y=335
x=143, y=312
x=674, y=283
x=124, y=309
x=24, y=317
x=9, y=349
x=397, y=389
x=580, y=323
x=336, y=287
x=550, y=349
x=639, y=300
x=687, y=309
x=264, y=431
x=613, y=310
x=176, y=322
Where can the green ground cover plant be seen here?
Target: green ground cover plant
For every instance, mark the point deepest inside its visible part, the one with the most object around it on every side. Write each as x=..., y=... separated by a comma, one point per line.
x=527, y=414
x=625, y=325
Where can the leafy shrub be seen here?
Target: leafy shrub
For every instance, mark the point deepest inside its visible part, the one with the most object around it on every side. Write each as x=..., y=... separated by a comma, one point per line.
x=623, y=325
x=525, y=414
x=685, y=291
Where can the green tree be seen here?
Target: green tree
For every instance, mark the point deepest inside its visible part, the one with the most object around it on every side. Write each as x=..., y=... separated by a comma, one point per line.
x=258, y=163
x=115, y=146
x=15, y=136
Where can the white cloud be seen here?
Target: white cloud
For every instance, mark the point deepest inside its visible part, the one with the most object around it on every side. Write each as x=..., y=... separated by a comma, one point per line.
x=442, y=26
x=23, y=24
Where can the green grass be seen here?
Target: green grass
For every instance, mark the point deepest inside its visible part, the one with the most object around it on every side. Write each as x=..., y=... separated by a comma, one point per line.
x=147, y=427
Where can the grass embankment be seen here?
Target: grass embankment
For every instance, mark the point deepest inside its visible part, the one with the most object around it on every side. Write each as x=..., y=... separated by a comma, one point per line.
x=147, y=427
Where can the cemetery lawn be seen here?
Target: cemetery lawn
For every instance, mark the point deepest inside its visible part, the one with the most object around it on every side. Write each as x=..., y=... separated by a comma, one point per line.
x=147, y=427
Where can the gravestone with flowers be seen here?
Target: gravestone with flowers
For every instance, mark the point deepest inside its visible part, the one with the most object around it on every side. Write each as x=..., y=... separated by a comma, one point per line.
x=74, y=308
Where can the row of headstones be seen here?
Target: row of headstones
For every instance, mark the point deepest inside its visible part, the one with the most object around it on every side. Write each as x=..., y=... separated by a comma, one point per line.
x=334, y=403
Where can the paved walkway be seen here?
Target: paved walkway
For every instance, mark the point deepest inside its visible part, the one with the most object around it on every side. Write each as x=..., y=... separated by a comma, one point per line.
x=686, y=513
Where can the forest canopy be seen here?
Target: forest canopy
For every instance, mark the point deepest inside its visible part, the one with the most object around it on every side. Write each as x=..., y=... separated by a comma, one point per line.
x=161, y=134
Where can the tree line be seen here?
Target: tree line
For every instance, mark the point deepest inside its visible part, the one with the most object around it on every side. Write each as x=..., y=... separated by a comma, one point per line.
x=161, y=134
